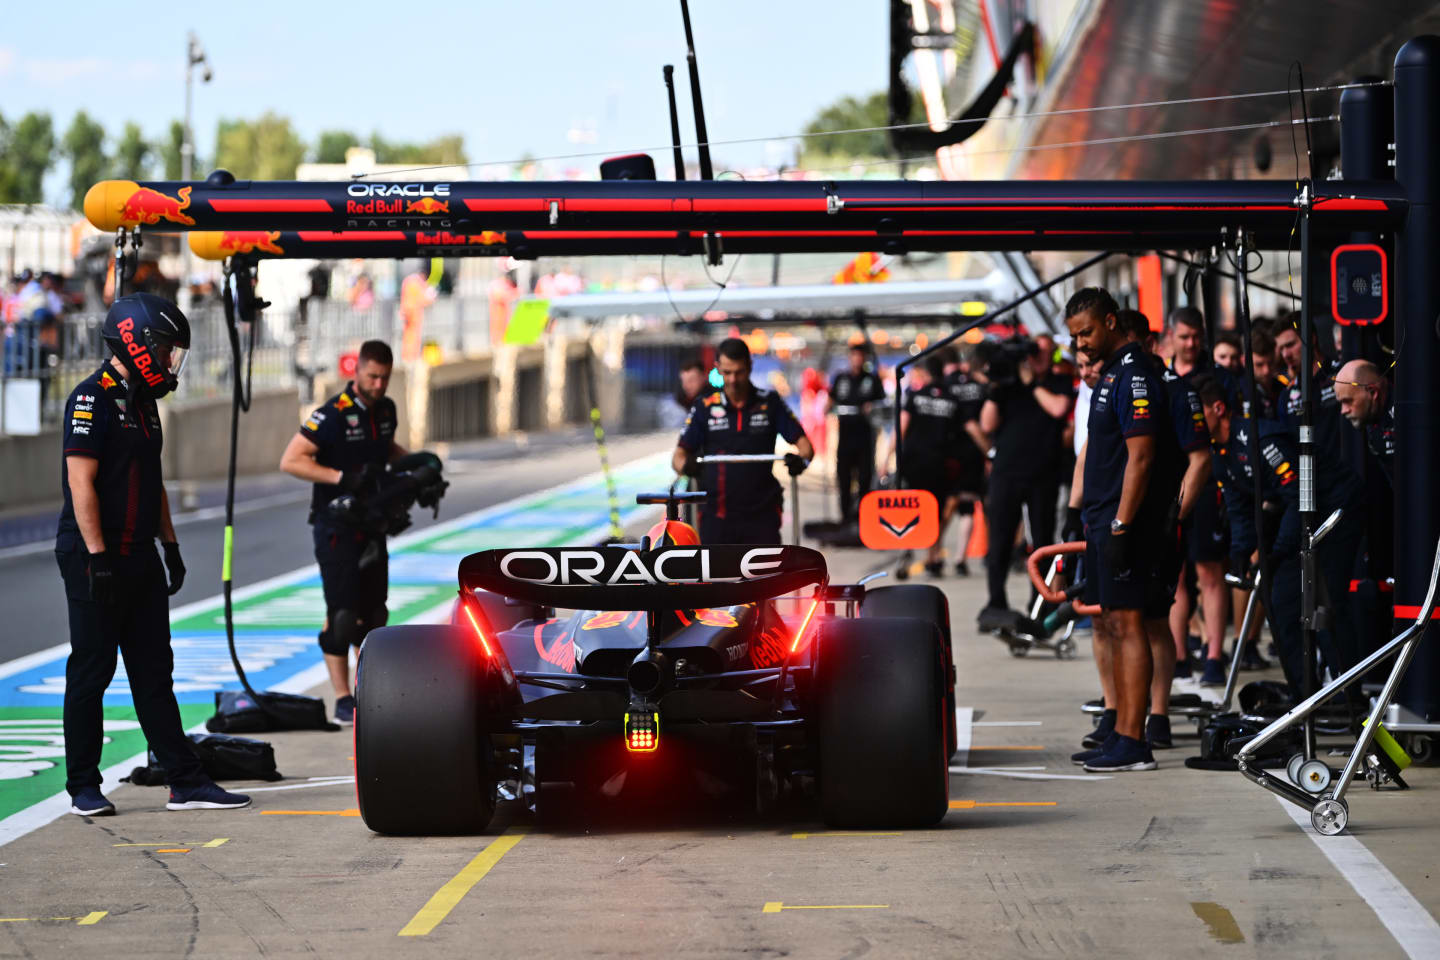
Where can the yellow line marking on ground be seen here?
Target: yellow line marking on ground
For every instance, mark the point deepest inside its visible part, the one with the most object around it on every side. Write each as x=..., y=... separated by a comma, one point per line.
x=174, y=850
x=216, y=842
x=1219, y=921
x=167, y=843
x=972, y=804
x=1029, y=746
x=842, y=833
x=438, y=907
x=89, y=920
x=310, y=813
x=775, y=906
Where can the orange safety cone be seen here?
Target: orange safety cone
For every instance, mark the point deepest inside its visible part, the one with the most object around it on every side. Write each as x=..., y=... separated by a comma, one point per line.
x=979, y=543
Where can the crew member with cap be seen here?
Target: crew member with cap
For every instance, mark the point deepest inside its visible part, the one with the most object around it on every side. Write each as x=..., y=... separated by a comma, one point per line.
x=852, y=394
x=115, y=585
x=342, y=448
x=746, y=499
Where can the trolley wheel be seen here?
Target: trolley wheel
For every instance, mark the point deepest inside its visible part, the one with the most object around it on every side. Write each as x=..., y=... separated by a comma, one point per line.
x=1292, y=767
x=1019, y=650
x=1329, y=816
x=1421, y=747
x=1315, y=777
x=1065, y=649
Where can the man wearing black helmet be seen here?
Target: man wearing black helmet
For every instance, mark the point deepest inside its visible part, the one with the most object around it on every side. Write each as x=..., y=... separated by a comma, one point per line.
x=115, y=585
x=342, y=448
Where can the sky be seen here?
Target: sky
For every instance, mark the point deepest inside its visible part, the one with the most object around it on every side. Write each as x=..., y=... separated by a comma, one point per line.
x=524, y=76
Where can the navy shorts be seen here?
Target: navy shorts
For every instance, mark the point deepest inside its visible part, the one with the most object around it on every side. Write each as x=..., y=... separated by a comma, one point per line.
x=1207, y=536
x=1149, y=585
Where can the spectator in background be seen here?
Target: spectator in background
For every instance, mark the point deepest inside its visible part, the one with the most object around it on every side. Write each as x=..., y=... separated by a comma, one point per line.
x=1227, y=353
x=415, y=295
x=362, y=292
x=50, y=284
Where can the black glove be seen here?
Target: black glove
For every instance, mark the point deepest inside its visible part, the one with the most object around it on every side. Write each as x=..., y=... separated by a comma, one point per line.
x=103, y=588
x=1240, y=565
x=1172, y=521
x=1119, y=552
x=1074, y=527
x=359, y=481
x=175, y=566
x=796, y=464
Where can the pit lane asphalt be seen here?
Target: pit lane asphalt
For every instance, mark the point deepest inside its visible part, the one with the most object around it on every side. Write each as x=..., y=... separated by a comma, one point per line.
x=276, y=539
x=1035, y=859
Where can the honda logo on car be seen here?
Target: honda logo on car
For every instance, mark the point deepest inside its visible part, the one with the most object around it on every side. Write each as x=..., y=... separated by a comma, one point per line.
x=620, y=567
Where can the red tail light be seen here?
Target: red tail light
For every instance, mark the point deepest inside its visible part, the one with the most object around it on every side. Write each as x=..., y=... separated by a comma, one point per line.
x=479, y=631
x=800, y=634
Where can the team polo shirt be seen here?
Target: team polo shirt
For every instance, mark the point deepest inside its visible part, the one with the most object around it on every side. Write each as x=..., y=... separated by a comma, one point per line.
x=1129, y=401
x=850, y=392
x=349, y=434
x=104, y=423
x=934, y=425
x=1380, y=438
x=970, y=394
x=717, y=426
x=1187, y=414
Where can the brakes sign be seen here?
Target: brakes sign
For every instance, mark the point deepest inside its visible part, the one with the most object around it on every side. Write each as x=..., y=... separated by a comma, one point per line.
x=899, y=520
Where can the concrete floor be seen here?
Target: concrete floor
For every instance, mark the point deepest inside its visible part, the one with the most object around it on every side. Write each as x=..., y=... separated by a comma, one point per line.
x=1171, y=863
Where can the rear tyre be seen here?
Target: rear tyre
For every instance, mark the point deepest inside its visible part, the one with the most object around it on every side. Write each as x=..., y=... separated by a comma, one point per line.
x=424, y=705
x=925, y=603
x=880, y=692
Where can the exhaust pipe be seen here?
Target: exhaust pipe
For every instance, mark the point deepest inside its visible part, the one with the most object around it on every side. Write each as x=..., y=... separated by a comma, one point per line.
x=650, y=673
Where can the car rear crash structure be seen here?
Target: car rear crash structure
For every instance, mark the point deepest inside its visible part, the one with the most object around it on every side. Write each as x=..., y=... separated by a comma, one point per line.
x=713, y=218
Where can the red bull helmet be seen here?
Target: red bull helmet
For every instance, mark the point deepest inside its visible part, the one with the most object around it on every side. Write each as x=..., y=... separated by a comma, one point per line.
x=151, y=337
x=673, y=533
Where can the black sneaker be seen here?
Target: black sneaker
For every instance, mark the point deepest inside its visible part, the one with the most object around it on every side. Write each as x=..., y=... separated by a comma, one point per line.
x=345, y=711
x=1157, y=732
x=1183, y=670
x=1214, y=674
x=962, y=569
x=1085, y=756
x=991, y=619
x=1250, y=659
x=1102, y=731
x=936, y=569
x=1125, y=754
x=90, y=802
x=206, y=796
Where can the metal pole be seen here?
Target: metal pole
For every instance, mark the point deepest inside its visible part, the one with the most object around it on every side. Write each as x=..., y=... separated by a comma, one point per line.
x=187, y=164
x=1417, y=403
x=669, y=72
x=1309, y=582
x=706, y=171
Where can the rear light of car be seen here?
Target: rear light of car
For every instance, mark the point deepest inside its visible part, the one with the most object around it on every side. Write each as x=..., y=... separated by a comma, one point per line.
x=642, y=732
x=802, y=635
x=469, y=609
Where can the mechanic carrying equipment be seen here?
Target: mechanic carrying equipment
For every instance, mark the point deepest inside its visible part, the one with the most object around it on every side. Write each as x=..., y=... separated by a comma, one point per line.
x=852, y=393
x=741, y=418
x=115, y=586
x=342, y=448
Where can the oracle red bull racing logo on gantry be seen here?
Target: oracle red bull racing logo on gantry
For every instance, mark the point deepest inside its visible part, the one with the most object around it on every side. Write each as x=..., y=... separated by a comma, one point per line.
x=408, y=198
x=149, y=207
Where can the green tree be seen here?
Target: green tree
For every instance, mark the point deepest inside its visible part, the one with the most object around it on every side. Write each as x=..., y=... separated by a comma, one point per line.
x=449, y=148
x=332, y=144
x=170, y=151
x=851, y=113
x=84, y=145
x=9, y=182
x=32, y=152
x=263, y=149
x=132, y=154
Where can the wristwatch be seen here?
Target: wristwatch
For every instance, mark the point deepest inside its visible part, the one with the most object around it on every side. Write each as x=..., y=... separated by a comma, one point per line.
x=1117, y=527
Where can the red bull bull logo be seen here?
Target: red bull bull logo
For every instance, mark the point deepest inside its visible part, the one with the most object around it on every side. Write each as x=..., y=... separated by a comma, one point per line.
x=249, y=241
x=427, y=206
x=149, y=206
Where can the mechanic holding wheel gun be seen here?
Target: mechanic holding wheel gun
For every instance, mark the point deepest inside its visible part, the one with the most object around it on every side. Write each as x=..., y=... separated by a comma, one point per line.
x=115, y=585
x=342, y=448
x=742, y=418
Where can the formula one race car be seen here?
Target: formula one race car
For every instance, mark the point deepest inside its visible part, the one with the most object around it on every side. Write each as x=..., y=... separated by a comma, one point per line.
x=680, y=659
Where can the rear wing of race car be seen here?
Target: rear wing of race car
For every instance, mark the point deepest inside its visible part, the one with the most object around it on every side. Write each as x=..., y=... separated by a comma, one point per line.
x=620, y=578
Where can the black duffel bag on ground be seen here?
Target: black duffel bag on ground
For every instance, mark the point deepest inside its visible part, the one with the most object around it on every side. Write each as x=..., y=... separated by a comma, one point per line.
x=223, y=757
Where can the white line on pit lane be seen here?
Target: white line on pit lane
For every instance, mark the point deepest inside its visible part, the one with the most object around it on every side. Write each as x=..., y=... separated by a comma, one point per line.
x=1406, y=918
x=51, y=808
x=315, y=782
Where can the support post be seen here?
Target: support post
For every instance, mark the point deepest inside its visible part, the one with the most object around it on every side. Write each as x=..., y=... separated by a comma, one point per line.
x=1417, y=402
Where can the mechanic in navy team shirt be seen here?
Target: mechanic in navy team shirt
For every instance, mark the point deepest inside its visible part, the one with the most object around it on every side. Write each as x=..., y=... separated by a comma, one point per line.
x=342, y=448
x=1129, y=477
x=746, y=499
x=115, y=587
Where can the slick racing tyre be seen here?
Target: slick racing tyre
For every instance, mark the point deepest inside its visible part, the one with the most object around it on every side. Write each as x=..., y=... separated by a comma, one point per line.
x=880, y=693
x=923, y=602
x=424, y=701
